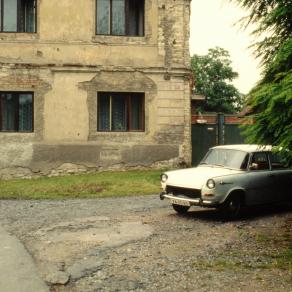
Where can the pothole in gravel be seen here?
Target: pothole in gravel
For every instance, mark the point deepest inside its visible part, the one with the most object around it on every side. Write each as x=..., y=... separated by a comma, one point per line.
x=68, y=239
x=75, y=243
x=112, y=235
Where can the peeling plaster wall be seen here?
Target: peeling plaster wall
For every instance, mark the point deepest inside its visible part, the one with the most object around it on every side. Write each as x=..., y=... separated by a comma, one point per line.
x=65, y=64
x=69, y=119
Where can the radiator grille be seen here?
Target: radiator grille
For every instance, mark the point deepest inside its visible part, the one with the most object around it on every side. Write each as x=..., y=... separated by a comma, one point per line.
x=191, y=193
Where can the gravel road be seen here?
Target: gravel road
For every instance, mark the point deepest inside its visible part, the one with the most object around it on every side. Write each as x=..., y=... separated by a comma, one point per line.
x=141, y=244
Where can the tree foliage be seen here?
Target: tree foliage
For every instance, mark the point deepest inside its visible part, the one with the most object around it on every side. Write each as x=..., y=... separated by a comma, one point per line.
x=270, y=100
x=273, y=25
x=213, y=75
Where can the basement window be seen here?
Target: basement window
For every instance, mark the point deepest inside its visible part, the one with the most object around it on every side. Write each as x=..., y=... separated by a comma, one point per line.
x=120, y=112
x=16, y=112
x=17, y=15
x=120, y=17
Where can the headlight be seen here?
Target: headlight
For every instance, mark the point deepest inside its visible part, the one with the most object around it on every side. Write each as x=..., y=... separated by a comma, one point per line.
x=164, y=177
x=211, y=184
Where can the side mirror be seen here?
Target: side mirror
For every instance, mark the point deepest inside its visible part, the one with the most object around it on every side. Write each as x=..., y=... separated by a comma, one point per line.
x=254, y=166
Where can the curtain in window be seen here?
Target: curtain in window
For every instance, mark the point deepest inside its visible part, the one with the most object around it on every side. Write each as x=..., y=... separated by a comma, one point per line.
x=18, y=15
x=25, y=113
x=16, y=112
x=0, y=15
x=104, y=113
x=29, y=16
x=119, y=113
x=135, y=17
x=8, y=112
x=118, y=17
x=10, y=15
x=103, y=17
x=136, y=105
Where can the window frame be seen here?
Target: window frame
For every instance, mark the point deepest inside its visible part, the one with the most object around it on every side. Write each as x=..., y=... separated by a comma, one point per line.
x=126, y=22
x=18, y=17
x=129, y=96
x=17, y=112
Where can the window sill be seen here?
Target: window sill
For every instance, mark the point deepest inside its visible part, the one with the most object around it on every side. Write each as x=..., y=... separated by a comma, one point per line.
x=18, y=137
x=17, y=133
x=120, y=132
x=119, y=137
x=120, y=40
x=18, y=36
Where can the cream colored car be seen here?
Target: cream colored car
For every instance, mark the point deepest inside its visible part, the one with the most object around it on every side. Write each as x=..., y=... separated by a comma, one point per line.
x=229, y=177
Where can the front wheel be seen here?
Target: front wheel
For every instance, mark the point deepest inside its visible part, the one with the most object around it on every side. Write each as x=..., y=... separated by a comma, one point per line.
x=232, y=207
x=180, y=209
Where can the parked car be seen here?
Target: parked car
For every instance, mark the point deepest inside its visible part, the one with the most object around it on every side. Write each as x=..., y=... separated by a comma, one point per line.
x=229, y=177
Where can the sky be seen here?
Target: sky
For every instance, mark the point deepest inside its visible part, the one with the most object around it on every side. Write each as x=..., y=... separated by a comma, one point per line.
x=213, y=24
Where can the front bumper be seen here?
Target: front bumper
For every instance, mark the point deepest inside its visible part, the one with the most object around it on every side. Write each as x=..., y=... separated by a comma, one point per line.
x=192, y=202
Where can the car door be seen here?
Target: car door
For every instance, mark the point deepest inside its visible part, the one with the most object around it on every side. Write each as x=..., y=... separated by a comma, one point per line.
x=261, y=182
x=283, y=178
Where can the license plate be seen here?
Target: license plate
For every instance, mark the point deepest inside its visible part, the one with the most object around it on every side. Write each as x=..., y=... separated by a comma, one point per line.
x=180, y=202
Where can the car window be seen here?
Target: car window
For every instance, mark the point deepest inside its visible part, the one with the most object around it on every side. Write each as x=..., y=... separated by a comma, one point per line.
x=245, y=162
x=226, y=158
x=277, y=162
x=259, y=161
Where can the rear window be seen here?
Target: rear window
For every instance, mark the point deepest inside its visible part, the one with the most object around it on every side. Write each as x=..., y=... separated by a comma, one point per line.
x=277, y=162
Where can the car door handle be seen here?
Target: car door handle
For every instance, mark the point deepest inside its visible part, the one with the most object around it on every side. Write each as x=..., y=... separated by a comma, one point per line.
x=271, y=175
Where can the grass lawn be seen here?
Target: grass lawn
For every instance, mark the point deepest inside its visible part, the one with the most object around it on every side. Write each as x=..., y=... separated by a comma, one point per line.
x=96, y=185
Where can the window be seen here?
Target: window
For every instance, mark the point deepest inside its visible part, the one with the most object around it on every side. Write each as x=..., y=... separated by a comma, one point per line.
x=120, y=111
x=260, y=161
x=120, y=17
x=16, y=111
x=226, y=158
x=277, y=161
x=17, y=15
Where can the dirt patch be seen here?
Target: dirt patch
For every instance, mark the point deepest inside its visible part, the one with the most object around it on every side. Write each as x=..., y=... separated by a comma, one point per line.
x=65, y=244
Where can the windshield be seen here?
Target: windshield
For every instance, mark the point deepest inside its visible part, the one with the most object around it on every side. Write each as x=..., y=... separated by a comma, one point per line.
x=226, y=158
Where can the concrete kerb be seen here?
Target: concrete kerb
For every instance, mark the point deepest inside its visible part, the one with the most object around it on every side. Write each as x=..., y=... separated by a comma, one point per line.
x=18, y=272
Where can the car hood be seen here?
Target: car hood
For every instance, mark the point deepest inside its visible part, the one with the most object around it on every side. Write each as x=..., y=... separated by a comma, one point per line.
x=196, y=177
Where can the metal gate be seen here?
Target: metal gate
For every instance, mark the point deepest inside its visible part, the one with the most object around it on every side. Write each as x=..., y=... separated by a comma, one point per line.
x=203, y=137
x=232, y=134
x=211, y=130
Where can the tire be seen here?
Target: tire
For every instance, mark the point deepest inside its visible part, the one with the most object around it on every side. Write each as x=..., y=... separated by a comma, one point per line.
x=232, y=208
x=180, y=209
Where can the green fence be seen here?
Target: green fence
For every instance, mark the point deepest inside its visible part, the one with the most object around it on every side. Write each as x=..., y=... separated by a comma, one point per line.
x=211, y=130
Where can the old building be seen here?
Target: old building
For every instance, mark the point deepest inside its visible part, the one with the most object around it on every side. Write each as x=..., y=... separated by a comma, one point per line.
x=93, y=84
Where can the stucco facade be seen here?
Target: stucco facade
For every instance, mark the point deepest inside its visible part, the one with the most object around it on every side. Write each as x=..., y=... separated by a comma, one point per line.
x=64, y=63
